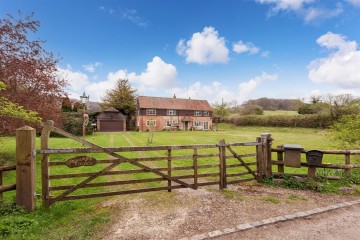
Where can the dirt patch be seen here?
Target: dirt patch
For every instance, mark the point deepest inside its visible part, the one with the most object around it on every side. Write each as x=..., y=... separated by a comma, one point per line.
x=186, y=212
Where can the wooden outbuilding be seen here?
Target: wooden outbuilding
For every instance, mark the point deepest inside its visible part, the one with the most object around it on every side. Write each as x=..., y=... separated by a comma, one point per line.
x=111, y=120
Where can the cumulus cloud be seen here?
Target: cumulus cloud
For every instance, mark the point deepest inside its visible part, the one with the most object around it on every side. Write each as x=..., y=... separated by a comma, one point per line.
x=309, y=10
x=241, y=47
x=216, y=91
x=92, y=66
x=204, y=47
x=158, y=74
x=245, y=88
x=341, y=66
x=76, y=80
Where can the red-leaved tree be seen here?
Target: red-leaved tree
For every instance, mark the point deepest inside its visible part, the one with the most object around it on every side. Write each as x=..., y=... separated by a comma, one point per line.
x=28, y=70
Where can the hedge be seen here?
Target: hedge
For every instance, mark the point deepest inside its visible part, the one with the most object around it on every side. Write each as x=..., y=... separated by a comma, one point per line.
x=305, y=121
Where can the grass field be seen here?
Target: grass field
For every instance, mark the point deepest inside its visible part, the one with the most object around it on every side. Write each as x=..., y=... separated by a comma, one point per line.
x=280, y=113
x=81, y=219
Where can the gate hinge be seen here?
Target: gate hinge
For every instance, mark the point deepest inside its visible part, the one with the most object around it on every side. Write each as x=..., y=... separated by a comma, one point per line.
x=37, y=196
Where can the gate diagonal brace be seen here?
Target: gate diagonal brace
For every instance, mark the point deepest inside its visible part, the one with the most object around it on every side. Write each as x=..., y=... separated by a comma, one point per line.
x=242, y=161
x=120, y=159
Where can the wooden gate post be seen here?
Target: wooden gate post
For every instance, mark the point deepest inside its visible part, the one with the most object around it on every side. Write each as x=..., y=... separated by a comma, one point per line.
x=222, y=158
x=264, y=156
x=25, y=168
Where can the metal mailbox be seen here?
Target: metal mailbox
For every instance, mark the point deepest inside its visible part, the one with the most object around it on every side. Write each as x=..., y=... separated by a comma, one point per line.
x=292, y=154
x=314, y=157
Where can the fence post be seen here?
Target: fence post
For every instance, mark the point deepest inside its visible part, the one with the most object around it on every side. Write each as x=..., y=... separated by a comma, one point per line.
x=259, y=161
x=347, y=161
x=266, y=151
x=280, y=157
x=169, y=169
x=25, y=168
x=222, y=158
x=45, y=172
x=195, y=165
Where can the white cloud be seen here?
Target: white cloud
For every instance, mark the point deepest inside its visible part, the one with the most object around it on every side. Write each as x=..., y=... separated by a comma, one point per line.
x=265, y=54
x=354, y=2
x=341, y=66
x=92, y=66
x=216, y=91
x=212, y=92
x=312, y=14
x=309, y=10
x=158, y=74
x=77, y=80
x=285, y=5
x=241, y=47
x=132, y=15
x=245, y=88
x=204, y=47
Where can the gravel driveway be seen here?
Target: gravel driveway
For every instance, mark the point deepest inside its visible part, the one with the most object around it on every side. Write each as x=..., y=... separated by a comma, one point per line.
x=341, y=224
x=185, y=213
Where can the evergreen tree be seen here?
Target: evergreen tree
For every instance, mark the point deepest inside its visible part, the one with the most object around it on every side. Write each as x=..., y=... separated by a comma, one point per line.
x=122, y=97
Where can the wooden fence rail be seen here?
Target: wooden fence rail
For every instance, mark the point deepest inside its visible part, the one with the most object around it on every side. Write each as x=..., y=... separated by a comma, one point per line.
x=347, y=166
x=9, y=187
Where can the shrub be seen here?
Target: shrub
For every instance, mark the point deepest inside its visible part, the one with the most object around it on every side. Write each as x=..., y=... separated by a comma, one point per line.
x=73, y=123
x=347, y=131
x=305, y=121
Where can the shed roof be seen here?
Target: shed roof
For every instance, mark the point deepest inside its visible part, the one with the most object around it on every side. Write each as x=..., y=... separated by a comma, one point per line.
x=173, y=103
x=111, y=115
x=111, y=109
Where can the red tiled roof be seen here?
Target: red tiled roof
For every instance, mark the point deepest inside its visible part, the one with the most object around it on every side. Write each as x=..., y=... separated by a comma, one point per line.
x=173, y=103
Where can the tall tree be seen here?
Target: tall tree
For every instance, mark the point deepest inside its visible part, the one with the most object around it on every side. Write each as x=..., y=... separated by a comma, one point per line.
x=221, y=109
x=28, y=70
x=122, y=97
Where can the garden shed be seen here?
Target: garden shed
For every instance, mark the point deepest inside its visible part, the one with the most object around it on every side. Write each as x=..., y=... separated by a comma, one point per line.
x=111, y=120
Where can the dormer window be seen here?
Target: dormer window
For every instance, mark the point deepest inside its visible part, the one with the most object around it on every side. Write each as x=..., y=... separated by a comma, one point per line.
x=171, y=112
x=150, y=111
x=205, y=113
x=197, y=113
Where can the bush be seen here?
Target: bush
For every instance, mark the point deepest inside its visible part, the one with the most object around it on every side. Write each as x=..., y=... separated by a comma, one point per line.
x=251, y=110
x=305, y=121
x=73, y=123
x=347, y=131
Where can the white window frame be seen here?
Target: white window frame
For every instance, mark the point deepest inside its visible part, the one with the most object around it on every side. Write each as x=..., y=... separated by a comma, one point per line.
x=150, y=111
x=206, y=114
x=148, y=123
x=170, y=122
x=197, y=113
x=197, y=123
x=171, y=112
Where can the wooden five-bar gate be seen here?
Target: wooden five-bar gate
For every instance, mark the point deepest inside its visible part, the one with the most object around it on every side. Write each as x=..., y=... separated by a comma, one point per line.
x=95, y=171
x=190, y=166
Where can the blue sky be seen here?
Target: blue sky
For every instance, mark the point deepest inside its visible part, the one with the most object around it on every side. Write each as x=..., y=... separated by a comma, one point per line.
x=203, y=49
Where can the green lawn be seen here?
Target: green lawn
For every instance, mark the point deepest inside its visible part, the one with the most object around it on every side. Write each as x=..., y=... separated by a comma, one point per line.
x=80, y=219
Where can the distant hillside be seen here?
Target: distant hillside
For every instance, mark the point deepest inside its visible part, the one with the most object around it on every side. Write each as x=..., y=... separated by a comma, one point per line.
x=276, y=104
